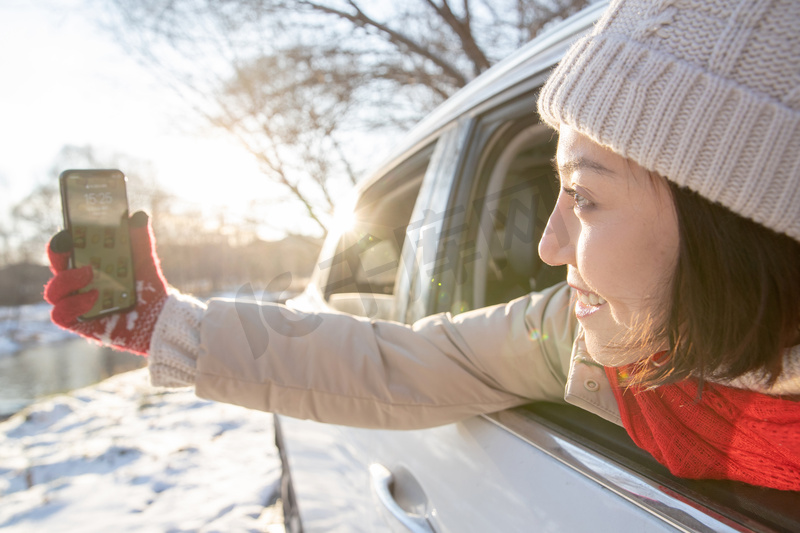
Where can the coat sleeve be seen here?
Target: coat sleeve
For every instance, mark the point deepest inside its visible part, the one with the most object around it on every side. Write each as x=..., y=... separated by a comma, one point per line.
x=348, y=370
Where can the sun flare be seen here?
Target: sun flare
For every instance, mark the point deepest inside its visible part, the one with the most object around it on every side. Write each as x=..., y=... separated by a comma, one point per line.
x=344, y=219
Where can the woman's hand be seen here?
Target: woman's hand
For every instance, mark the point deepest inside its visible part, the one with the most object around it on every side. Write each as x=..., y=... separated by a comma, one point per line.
x=130, y=331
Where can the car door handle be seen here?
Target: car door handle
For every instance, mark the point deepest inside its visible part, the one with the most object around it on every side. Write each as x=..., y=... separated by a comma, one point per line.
x=381, y=480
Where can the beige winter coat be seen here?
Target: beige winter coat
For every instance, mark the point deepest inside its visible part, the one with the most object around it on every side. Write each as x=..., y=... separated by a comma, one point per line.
x=343, y=369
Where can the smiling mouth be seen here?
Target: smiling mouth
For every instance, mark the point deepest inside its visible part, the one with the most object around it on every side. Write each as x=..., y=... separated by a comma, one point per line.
x=589, y=298
x=587, y=303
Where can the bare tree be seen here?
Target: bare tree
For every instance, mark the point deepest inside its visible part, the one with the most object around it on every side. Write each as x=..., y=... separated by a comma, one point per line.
x=300, y=82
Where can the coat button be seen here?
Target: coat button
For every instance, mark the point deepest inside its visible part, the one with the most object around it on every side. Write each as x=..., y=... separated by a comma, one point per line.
x=591, y=385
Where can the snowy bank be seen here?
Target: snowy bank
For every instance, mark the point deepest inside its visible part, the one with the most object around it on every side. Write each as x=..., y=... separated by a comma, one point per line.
x=124, y=456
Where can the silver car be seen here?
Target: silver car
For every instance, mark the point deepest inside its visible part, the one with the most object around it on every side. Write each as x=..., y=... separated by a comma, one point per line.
x=455, y=217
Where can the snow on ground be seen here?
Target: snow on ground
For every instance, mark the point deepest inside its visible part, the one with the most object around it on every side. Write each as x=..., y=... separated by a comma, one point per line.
x=125, y=456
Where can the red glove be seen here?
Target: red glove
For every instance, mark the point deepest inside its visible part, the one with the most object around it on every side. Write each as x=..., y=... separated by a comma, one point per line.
x=129, y=331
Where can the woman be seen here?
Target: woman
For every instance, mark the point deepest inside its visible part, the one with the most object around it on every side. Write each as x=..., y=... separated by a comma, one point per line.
x=678, y=218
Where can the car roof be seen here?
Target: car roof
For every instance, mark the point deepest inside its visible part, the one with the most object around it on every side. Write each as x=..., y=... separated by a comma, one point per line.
x=539, y=54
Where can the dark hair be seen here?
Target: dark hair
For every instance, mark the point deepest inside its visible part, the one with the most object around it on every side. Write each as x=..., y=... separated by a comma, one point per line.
x=735, y=298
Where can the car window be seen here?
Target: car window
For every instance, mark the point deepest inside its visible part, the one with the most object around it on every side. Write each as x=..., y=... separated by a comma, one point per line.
x=508, y=190
x=363, y=271
x=520, y=193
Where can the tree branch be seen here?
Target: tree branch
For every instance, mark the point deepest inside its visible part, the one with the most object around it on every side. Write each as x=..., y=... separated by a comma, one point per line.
x=361, y=19
x=462, y=28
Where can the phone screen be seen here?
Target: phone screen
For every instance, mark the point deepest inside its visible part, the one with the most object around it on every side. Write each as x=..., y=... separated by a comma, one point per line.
x=96, y=214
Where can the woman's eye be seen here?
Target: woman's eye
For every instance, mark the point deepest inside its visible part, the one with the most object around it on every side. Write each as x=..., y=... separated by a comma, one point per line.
x=580, y=201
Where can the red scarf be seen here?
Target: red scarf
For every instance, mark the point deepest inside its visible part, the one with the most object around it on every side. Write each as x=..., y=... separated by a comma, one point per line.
x=728, y=434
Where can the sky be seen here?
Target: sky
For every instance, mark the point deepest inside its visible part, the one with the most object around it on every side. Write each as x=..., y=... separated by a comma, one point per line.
x=67, y=82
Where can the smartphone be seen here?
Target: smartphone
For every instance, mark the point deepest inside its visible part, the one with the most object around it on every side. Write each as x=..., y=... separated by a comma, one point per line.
x=95, y=206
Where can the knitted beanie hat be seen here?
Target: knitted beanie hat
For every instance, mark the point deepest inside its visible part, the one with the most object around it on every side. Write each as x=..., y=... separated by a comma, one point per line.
x=704, y=92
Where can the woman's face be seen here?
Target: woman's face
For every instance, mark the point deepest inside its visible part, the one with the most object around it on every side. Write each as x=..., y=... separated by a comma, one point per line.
x=615, y=228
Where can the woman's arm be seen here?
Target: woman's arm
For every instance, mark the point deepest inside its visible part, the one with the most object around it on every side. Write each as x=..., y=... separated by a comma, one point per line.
x=350, y=370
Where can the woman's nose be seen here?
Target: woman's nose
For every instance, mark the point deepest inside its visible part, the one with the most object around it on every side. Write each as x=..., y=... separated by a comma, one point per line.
x=557, y=245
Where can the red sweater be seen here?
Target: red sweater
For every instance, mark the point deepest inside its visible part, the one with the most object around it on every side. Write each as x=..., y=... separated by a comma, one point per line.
x=727, y=434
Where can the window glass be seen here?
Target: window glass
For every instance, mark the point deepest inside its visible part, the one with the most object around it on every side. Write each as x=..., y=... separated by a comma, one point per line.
x=519, y=192
x=363, y=271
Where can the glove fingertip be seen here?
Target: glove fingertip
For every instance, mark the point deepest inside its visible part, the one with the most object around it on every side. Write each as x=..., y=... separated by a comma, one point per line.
x=139, y=219
x=58, y=251
x=61, y=242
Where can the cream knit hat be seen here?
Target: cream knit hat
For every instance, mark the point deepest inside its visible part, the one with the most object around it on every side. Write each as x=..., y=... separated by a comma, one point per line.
x=703, y=92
